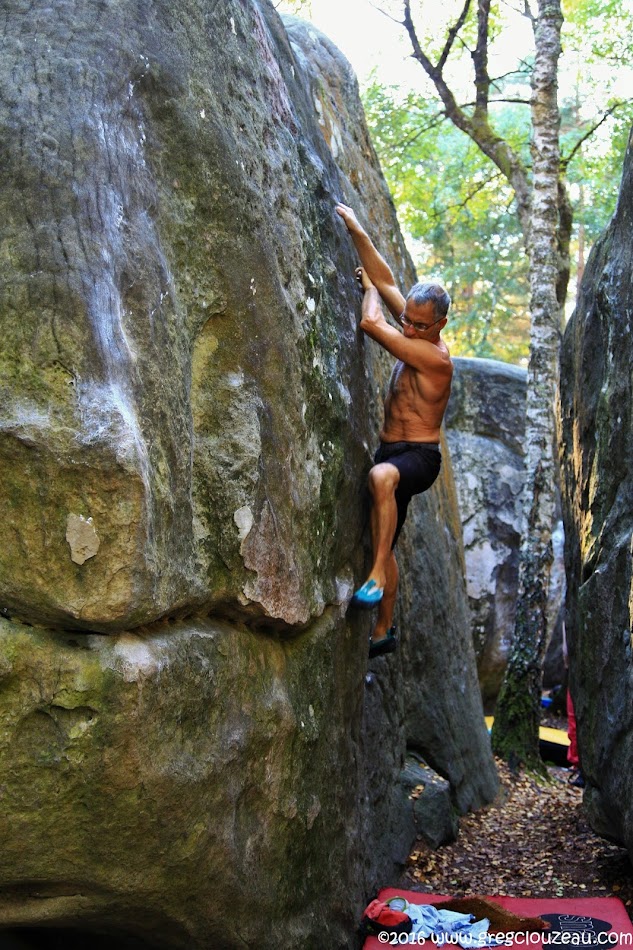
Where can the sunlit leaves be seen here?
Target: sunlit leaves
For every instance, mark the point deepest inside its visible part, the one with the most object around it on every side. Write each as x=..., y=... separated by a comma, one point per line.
x=458, y=210
x=600, y=28
x=296, y=7
x=451, y=200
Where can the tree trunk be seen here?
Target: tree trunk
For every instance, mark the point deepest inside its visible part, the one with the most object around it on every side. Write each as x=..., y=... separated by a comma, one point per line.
x=515, y=730
x=580, y=267
x=545, y=214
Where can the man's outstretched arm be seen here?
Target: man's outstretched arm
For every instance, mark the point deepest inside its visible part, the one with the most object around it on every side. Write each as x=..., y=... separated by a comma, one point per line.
x=378, y=271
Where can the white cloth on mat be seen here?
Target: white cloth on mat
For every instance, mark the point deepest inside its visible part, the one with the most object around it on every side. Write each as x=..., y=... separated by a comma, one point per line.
x=447, y=926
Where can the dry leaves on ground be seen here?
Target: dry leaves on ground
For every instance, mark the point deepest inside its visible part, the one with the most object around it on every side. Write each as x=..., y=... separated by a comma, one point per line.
x=532, y=842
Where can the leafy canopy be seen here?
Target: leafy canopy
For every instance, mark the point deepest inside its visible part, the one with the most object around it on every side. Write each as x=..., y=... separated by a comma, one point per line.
x=456, y=207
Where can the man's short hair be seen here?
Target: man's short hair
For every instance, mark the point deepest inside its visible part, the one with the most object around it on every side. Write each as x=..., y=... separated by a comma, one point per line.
x=427, y=291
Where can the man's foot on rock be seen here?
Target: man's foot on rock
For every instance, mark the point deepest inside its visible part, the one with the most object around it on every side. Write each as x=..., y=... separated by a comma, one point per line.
x=368, y=596
x=386, y=644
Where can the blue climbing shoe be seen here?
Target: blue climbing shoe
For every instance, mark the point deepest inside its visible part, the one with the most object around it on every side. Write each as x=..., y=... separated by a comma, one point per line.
x=386, y=644
x=368, y=595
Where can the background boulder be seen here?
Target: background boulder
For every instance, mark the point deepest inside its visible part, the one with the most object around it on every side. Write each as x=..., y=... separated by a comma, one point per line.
x=597, y=463
x=485, y=424
x=189, y=749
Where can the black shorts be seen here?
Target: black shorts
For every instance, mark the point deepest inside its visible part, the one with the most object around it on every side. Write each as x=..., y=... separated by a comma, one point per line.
x=419, y=465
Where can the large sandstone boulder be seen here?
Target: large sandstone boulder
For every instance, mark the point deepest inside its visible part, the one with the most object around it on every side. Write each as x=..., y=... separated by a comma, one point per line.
x=179, y=342
x=597, y=463
x=189, y=751
x=485, y=423
x=189, y=785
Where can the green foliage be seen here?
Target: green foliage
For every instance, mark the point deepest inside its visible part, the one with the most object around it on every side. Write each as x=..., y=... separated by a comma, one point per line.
x=458, y=211
x=295, y=7
x=457, y=208
x=594, y=173
x=600, y=30
x=597, y=61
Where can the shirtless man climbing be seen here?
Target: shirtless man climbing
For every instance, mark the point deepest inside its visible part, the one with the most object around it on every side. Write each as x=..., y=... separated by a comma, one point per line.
x=408, y=460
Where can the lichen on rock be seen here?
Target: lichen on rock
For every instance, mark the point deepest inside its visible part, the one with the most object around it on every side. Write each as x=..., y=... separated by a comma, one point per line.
x=82, y=538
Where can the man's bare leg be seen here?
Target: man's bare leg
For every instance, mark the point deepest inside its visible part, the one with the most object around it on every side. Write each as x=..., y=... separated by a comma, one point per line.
x=383, y=481
x=386, y=606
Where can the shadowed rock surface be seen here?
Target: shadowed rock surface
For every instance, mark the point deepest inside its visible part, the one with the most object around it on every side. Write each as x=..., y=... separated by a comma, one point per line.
x=597, y=461
x=151, y=779
x=188, y=752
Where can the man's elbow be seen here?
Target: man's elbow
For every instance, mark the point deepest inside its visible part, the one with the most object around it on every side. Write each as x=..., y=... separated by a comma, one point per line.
x=368, y=324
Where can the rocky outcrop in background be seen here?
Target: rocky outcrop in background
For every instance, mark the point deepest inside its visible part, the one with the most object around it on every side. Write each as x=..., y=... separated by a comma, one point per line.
x=189, y=751
x=597, y=461
x=485, y=423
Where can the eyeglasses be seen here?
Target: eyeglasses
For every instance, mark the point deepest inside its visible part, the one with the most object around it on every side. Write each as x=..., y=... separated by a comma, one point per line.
x=420, y=327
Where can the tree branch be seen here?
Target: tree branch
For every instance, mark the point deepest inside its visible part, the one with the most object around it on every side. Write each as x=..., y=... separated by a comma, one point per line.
x=520, y=102
x=437, y=120
x=469, y=197
x=418, y=52
x=523, y=70
x=452, y=33
x=517, y=9
x=480, y=61
x=497, y=149
x=384, y=13
x=566, y=161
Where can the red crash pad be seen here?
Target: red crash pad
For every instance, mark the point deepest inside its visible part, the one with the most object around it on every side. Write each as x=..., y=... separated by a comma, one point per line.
x=595, y=922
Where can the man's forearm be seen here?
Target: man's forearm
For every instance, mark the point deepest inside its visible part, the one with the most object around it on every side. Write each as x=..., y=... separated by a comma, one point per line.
x=376, y=266
x=372, y=312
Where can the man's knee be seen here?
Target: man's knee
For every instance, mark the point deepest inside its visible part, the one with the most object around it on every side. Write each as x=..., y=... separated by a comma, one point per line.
x=383, y=479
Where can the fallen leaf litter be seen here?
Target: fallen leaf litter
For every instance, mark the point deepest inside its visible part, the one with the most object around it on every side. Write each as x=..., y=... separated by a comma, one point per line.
x=533, y=841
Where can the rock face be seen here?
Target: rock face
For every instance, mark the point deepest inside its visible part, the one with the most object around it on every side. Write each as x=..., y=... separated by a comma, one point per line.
x=179, y=345
x=187, y=415
x=151, y=778
x=485, y=423
x=597, y=462
x=433, y=811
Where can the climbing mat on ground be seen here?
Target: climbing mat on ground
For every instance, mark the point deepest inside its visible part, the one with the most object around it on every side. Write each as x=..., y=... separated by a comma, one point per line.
x=573, y=921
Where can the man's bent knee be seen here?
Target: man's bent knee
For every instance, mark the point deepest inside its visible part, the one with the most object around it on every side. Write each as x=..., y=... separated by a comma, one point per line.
x=383, y=479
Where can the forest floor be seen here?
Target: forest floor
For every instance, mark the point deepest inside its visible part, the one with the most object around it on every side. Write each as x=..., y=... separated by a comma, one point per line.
x=533, y=841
